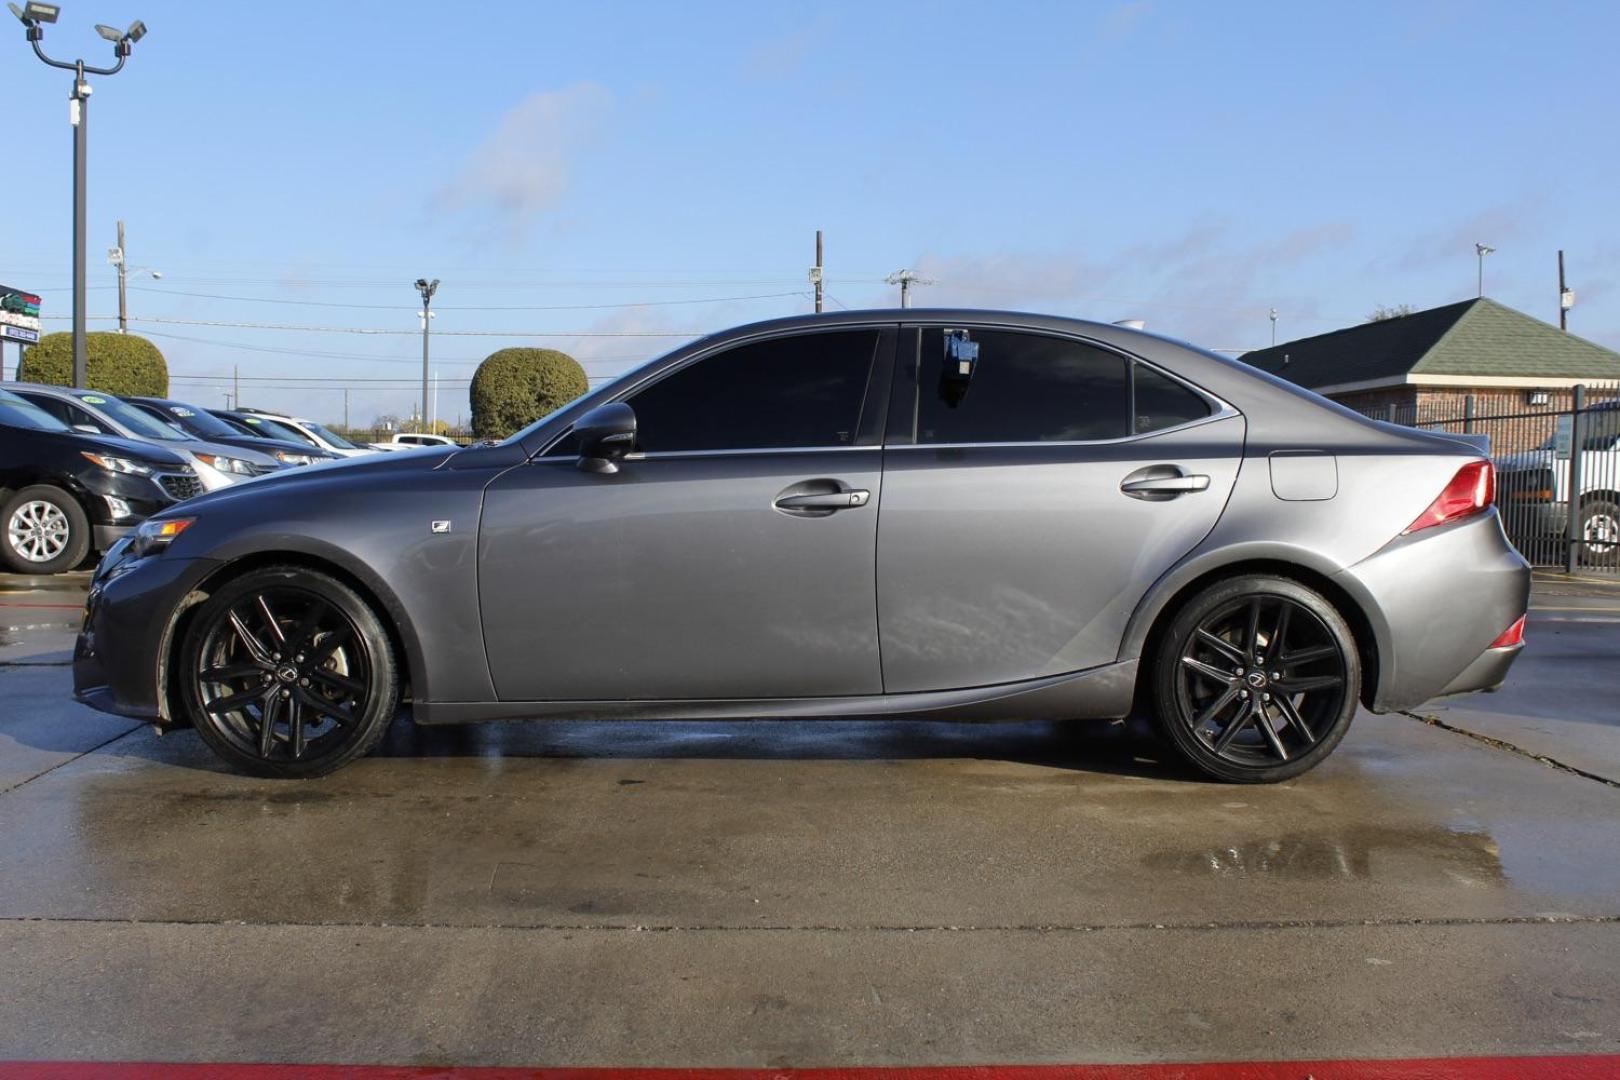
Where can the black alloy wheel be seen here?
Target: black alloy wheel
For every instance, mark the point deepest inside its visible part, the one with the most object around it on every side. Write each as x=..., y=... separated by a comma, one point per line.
x=1257, y=679
x=288, y=673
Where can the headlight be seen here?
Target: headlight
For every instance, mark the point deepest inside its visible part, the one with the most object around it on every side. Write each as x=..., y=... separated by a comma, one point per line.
x=287, y=457
x=118, y=464
x=153, y=536
x=225, y=464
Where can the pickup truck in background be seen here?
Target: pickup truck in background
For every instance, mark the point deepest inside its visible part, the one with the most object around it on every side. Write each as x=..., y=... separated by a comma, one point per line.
x=1533, y=490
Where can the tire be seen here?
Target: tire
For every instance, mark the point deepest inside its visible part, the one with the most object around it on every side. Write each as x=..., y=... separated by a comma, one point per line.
x=1600, y=533
x=1238, y=720
x=287, y=672
x=43, y=530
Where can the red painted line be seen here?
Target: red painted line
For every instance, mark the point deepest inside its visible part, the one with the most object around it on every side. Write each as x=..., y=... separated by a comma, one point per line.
x=1495, y=1068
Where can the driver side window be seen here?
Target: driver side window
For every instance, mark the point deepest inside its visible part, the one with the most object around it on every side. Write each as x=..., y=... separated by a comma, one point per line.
x=800, y=391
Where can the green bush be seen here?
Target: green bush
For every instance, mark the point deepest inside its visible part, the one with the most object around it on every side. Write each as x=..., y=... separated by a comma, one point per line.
x=120, y=364
x=515, y=387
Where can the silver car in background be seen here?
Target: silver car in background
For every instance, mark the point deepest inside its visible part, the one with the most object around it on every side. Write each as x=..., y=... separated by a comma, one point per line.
x=92, y=412
x=949, y=514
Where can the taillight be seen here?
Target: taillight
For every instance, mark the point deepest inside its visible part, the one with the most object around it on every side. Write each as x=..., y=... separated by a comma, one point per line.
x=1513, y=635
x=1470, y=492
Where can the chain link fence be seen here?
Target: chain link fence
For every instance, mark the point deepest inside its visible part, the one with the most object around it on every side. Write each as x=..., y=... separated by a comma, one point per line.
x=1542, y=482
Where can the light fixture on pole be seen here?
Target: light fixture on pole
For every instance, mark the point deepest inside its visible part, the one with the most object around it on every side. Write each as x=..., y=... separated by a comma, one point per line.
x=34, y=15
x=1482, y=250
x=906, y=279
x=1274, y=326
x=427, y=289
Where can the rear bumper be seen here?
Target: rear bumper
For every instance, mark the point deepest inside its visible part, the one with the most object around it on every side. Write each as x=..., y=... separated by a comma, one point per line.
x=1437, y=599
x=1486, y=673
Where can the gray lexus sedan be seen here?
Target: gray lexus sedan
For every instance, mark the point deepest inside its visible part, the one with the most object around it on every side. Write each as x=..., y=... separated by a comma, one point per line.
x=948, y=514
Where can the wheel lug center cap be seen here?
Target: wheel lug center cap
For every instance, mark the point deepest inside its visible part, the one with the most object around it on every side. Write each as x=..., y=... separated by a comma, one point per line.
x=287, y=673
x=1257, y=679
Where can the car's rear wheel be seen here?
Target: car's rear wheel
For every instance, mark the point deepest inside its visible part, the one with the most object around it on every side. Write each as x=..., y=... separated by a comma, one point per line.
x=45, y=531
x=287, y=672
x=1256, y=679
x=1600, y=533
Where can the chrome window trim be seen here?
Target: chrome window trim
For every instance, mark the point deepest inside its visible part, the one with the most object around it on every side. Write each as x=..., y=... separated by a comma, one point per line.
x=1226, y=413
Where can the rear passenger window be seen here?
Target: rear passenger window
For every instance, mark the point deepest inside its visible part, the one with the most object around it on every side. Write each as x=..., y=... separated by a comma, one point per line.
x=1024, y=388
x=1161, y=402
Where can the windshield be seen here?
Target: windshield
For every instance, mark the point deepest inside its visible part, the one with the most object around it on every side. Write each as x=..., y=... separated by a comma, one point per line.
x=137, y=420
x=17, y=413
x=1599, y=429
x=273, y=429
x=197, y=421
x=336, y=440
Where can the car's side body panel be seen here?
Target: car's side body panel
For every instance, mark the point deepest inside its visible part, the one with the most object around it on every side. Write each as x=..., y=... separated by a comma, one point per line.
x=677, y=578
x=999, y=563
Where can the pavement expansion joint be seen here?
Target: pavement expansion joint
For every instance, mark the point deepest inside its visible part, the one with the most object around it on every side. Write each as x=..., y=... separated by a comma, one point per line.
x=1545, y=919
x=70, y=760
x=1503, y=744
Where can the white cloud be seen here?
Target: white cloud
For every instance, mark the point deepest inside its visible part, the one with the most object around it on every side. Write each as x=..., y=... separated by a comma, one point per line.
x=522, y=169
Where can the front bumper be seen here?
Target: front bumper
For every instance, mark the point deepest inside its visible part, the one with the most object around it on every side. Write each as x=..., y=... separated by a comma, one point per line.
x=129, y=617
x=1437, y=600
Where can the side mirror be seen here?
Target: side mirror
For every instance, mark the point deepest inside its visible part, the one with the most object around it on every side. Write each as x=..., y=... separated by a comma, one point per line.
x=605, y=434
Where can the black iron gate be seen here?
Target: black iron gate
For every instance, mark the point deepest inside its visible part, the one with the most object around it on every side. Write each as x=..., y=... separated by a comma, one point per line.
x=1542, y=482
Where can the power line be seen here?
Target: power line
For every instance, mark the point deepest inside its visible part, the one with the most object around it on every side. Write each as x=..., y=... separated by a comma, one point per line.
x=327, y=355
x=395, y=330
x=520, y=307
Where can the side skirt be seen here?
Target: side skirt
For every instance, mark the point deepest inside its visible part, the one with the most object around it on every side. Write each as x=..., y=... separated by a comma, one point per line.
x=1095, y=693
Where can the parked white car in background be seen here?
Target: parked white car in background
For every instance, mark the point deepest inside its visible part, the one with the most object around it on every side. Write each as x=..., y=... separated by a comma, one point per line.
x=317, y=433
x=413, y=440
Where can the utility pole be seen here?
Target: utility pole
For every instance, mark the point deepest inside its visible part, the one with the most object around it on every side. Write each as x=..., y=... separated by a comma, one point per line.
x=32, y=15
x=345, y=410
x=815, y=272
x=236, y=384
x=1566, y=295
x=120, y=262
x=427, y=289
x=1273, y=326
x=123, y=303
x=906, y=279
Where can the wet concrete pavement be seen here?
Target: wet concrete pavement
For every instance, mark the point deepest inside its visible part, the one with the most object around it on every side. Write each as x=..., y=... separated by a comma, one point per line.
x=815, y=893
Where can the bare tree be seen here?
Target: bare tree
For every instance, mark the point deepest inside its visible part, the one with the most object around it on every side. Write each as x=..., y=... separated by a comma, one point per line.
x=1390, y=311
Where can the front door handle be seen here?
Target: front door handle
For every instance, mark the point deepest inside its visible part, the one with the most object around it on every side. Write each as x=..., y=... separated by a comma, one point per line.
x=829, y=500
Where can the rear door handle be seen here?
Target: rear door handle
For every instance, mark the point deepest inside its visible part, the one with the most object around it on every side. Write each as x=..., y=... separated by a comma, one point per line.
x=1167, y=484
x=830, y=500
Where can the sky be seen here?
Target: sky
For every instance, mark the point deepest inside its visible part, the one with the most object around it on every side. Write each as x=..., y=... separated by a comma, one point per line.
x=611, y=179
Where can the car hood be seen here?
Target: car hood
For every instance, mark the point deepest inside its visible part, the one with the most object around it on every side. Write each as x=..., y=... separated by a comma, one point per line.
x=136, y=449
x=1526, y=459
x=350, y=470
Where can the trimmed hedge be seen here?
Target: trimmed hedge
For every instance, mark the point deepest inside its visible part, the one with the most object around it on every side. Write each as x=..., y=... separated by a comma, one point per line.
x=119, y=364
x=513, y=388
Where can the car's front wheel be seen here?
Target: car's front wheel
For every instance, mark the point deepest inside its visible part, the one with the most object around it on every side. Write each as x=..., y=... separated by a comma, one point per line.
x=1256, y=679
x=287, y=672
x=46, y=531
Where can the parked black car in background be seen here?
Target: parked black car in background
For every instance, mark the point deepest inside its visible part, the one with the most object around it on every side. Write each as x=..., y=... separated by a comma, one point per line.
x=198, y=421
x=265, y=428
x=64, y=494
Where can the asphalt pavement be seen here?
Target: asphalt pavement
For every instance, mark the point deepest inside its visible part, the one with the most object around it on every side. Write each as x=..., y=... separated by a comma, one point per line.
x=815, y=893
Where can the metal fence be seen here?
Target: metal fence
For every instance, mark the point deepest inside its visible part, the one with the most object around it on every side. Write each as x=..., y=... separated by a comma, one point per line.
x=1542, y=482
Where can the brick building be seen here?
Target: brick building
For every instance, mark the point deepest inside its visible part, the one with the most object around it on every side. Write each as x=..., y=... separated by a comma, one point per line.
x=1425, y=367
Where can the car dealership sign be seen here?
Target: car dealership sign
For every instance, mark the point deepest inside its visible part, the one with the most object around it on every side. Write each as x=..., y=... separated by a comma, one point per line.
x=19, y=315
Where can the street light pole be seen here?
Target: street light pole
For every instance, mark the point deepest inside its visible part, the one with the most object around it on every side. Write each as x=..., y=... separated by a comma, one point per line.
x=32, y=15
x=1482, y=250
x=120, y=262
x=427, y=289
